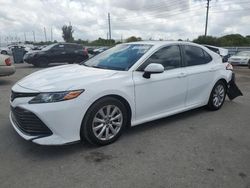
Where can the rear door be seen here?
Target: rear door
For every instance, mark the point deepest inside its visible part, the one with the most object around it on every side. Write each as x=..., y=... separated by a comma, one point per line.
x=57, y=53
x=73, y=51
x=200, y=71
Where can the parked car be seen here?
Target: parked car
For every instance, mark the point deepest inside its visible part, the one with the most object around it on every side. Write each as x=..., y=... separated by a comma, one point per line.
x=99, y=50
x=38, y=47
x=241, y=58
x=127, y=85
x=56, y=53
x=90, y=50
x=6, y=50
x=6, y=67
x=223, y=52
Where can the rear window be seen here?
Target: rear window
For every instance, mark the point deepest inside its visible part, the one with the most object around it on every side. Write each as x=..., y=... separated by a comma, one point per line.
x=196, y=56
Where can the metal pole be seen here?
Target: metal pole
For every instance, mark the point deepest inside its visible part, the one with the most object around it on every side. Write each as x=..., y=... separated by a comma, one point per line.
x=45, y=36
x=207, y=17
x=34, y=36
x=51, y=35
x=25, y=37
x=109, y=26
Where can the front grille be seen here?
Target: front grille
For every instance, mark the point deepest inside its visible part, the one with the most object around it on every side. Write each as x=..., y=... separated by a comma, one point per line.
x=29, y=123
x=15, y=95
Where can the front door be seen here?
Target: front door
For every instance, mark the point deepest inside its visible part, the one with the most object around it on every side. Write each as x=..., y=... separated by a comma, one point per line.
x=164, y=92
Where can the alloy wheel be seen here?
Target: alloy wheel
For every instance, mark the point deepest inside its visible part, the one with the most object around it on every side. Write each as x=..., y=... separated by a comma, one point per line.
x=107, y=122
x=218, y=95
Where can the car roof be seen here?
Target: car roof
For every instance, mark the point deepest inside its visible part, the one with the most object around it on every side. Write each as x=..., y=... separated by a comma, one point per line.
x=222, y=51
x=162, y=43
x=68, y=43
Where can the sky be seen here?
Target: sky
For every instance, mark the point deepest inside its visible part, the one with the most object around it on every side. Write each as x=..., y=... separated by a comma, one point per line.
x=148, y=19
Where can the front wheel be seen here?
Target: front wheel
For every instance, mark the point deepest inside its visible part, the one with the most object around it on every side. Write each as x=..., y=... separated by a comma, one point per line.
x=217, y=96
x=42, y=62
x=104, y=122
x=4, y=52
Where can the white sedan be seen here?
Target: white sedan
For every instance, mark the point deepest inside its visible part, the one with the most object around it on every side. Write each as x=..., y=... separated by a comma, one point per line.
x=241, y=58
x=6, y=67
x=127, y=85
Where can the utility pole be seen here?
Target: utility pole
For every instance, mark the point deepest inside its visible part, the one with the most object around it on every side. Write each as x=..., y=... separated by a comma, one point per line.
x=51, y=34
x=34, y=36
x=45, y=36
x=25, y=37
x=207, y=17
x=109, y=26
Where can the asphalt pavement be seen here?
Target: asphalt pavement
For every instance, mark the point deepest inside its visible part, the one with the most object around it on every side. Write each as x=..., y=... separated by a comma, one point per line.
x=198, y=149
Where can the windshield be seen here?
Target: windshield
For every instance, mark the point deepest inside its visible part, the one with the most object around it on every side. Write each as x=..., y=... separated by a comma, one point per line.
x=48, y=47
x=243, y=53
x=120, y=57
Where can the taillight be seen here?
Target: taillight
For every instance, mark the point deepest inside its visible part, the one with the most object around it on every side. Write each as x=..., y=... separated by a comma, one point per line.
x=8, y=62
x=229, y=67
x=85, y=51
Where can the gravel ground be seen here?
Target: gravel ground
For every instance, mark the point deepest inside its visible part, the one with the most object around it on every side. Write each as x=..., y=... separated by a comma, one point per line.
x=193, y=149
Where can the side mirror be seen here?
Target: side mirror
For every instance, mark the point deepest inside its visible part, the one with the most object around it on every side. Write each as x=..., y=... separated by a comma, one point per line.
x=152, y=68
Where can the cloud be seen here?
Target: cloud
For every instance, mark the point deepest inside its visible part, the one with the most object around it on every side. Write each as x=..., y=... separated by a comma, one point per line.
x=165, y=19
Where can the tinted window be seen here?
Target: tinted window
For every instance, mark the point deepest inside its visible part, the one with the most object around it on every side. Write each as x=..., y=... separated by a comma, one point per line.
x=169, y=57
x=196, y=56
x=208, y=58
x=72, y=47
x=58, y=47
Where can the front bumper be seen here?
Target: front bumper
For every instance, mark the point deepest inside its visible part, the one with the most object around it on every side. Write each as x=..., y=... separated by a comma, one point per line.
x=63, y=119
x=29, y=58
x=7, y=70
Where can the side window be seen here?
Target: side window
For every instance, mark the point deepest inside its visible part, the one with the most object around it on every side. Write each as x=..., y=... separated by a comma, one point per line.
x=196, y=56
x=71, y=47
x=169, y=57
x=208, y=58
x=58, y=47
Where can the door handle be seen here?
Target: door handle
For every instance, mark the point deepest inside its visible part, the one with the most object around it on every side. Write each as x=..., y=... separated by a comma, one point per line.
x=182, y=74
x=63, y=53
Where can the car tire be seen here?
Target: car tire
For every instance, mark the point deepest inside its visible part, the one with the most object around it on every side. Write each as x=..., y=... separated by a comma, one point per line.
x=104, y=121
x=217, y=96
x=42, y=62
x=4, y=52
x=249, y=64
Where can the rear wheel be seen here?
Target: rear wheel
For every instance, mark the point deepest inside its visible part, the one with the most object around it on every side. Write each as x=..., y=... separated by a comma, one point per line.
x=217, y=96
x=249, y=64
x=104, y=122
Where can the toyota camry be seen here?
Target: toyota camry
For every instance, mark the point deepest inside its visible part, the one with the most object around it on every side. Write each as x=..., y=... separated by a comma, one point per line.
x=127, y=85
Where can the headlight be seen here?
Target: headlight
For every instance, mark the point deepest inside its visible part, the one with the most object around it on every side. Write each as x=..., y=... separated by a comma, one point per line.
x=55, y=96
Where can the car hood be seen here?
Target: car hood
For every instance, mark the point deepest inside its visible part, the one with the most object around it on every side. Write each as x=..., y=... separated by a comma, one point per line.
x=63, y=78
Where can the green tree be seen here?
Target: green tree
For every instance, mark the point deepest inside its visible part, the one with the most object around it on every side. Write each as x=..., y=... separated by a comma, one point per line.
x=67, y=33
x=103, y=42
x=133, y=39
x=233, y=40
x=209, y=40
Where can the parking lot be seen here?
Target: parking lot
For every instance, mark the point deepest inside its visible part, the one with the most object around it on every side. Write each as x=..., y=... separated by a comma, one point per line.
x=198, y=148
